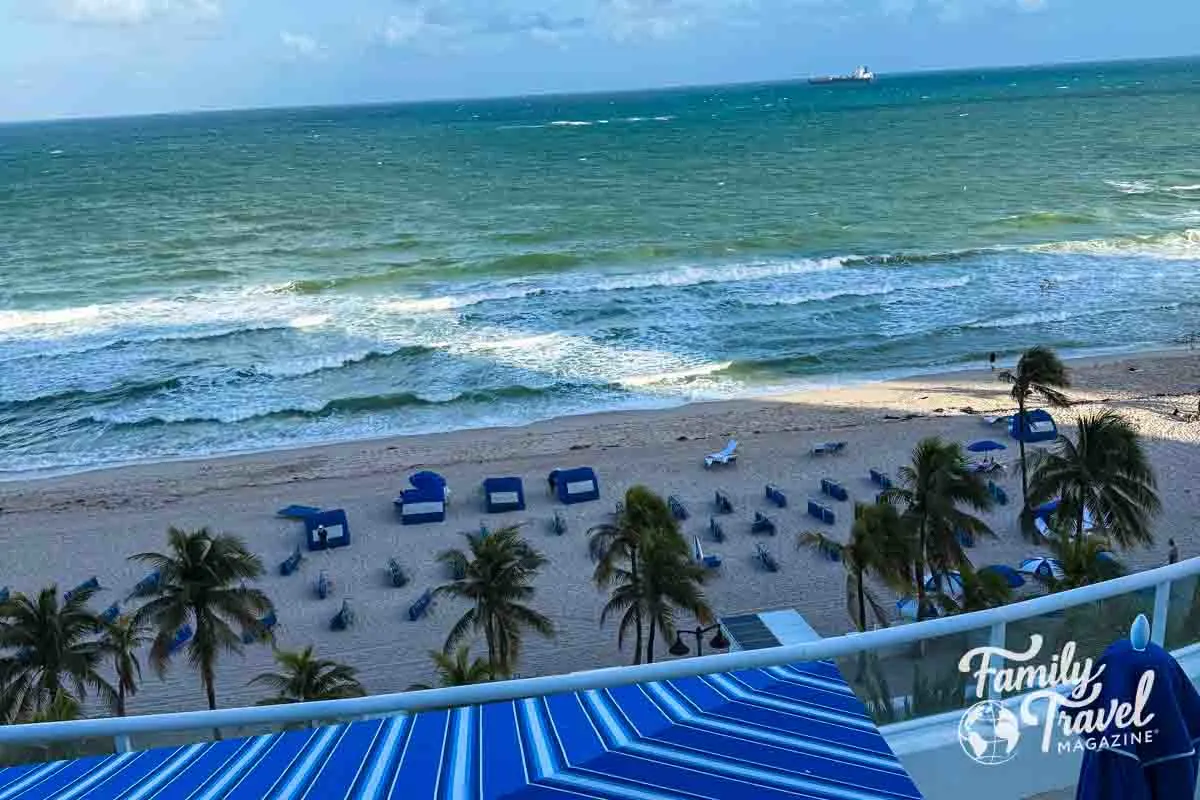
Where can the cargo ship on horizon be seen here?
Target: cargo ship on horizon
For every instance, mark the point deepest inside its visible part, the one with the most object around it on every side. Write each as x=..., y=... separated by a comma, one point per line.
x=860, y=75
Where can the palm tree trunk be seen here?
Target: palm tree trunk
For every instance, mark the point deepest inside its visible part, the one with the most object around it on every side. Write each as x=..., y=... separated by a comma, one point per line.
x=120, y=695
x=650, y=643
x=862, y=603
x=1021, y=445
x=920, y=570
x=637, y=616
x=490, y=635
x=210, y=690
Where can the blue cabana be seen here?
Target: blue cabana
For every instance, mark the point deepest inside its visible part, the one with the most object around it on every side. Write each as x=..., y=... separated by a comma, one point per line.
x=578, y=485
x=503, y=494
x=336, y=526
x=762, y=734
x=1039, y=427
x=425, y=501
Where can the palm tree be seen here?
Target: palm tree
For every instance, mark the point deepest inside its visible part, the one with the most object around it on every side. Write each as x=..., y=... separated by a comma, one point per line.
x=616, y=544
x=52, y=653
x=498, y=569
x=201, y=584
x=122, y=639
x=980, y=590
x=457, y=670
x=669, y=584
x=1104, y=473
x=878, y=546
x=1039, y=373
x=931, y=489
x=303, y=677
x=1084, y=561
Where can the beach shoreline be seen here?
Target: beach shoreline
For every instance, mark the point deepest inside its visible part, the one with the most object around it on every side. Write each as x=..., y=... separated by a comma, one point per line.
x=66, y=529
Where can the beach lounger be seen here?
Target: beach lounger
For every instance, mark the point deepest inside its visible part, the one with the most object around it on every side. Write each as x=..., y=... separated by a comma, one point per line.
x=558, y=525
x=677, y=508
x=501, y=495
x=834, y=489
x=762, y=524
x=181, y=638
x=298, y=512
x=726, y=456
x=827, y=448
x=291, y=563
x=344, y=618
x=766, y=559
x=419, y=608
x=147, y=585
x=261, y=630
x=722, y=503
x=991, y=421
x=985, y=466
x=111, y=613
x=396, y=573
x=715, y=530
x=824, y=513
x=707, y=561
x=334, y=524
x=324, y=585
x=92, y=584
x=774, y=495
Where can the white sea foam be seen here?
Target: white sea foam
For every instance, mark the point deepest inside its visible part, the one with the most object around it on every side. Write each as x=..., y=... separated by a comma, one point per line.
x=571, y=123
x=1132, y=187
x=1183, y=245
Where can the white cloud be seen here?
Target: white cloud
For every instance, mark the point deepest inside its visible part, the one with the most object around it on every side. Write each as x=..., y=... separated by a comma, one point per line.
x=301, y=44
x=132, y=12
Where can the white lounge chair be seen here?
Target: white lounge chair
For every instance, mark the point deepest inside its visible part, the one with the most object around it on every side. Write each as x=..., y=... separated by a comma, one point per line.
x=726, y=456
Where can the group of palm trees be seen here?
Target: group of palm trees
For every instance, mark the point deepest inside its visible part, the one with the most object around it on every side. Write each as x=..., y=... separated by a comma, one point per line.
x=54, y=654
x=915, y=533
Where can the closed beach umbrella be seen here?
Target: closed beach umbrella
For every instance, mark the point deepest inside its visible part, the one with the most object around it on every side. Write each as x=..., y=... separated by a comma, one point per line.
x=985, y=446
x=1010, y=575
x=775, y=733
x=1156, y=760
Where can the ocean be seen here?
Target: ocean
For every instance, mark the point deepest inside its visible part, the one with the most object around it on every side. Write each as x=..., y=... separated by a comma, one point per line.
x=186, y=285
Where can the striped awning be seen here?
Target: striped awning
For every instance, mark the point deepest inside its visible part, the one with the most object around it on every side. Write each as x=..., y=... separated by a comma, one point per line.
x=781, y=732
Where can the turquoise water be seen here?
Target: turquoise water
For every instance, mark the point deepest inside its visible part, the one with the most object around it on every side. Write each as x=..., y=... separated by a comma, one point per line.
x=183, y=285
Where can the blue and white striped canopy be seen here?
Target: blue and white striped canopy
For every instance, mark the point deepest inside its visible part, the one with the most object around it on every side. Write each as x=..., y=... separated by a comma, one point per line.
x=782, y=732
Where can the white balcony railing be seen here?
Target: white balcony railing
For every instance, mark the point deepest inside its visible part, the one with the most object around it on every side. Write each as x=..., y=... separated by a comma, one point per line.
x=995, y=620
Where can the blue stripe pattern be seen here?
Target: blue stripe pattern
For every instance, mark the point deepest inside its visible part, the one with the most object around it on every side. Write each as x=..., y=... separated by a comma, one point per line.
x=781, y=733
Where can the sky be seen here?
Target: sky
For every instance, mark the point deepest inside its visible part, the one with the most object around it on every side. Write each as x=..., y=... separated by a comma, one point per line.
x=63, y=58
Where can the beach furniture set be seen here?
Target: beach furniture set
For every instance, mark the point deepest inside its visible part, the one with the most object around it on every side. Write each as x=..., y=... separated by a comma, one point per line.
x=827, y=448
x=766, y=559
x=774, y=495
x=425, y=499
x=558, y=524
x=261, y=629
x=323, y=529
x=421, y=607
x=831, y=488
x=722, y=503
x=292, y=563
x=725, y=457
x=715, y=530
x=678, y=510
x=396, y=574
x=344, y=618
x=997, y=492
x=762, y=524
x=91, y=584
x=708, y=561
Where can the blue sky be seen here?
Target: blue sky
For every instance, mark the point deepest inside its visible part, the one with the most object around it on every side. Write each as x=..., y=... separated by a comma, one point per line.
x=102, y=57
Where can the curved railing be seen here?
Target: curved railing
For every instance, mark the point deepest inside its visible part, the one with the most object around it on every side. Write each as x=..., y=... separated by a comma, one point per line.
x=995, y=620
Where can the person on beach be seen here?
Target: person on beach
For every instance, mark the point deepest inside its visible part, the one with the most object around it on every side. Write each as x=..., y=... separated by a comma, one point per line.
x=1173, y=553
x=323, y=537
x=992, y=361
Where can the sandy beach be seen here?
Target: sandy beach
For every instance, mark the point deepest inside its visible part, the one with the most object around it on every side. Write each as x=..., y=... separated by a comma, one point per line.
x=68, y=529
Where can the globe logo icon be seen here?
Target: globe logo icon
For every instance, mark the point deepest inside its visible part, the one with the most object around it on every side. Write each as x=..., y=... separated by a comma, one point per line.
x=989, y=733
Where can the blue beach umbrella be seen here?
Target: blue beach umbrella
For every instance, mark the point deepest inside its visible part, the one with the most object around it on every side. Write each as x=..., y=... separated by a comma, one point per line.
x=794, y=732
x=985, y=446
x=1157, y=761
x=1010, y=575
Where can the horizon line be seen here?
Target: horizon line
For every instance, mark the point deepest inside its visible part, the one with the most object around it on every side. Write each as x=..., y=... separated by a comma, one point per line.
x=581, y=93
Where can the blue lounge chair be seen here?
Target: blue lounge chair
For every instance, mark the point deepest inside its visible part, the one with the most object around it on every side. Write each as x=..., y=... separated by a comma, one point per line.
x=766, y=559
x=298, y=512
x=324, y=585
x=396, y=573
x=677, y=508
x=419, y=608
x=111, y=613
x=578, y=485
x=261, y=629
x=147, y=585
x=558, y=525
x=709, y=561
x=834, y=489
x=762, y=524
x=726, y=456
x=291, y=563
x=343, y=619
x=92, y=584
x=335, y=527
x=181, y=638
x=722, y=503
x=827, y=448
x=824, y=513
x=715, y=530
x=776, y=496
x=501, y=495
